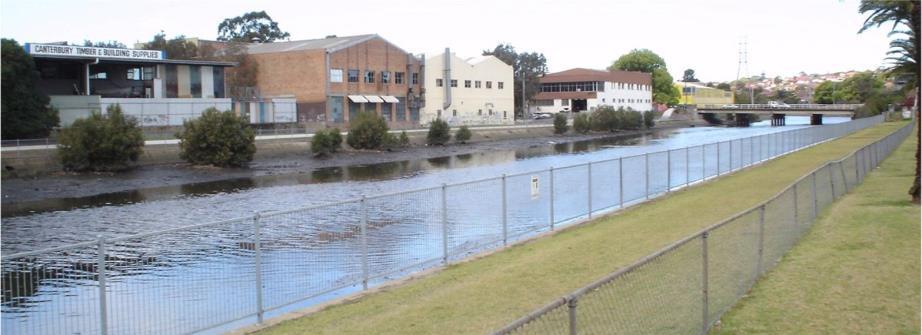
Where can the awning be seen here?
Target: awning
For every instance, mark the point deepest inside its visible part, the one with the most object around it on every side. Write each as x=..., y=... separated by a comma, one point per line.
x=390, y=99
x=373, y=98
x=358, y=98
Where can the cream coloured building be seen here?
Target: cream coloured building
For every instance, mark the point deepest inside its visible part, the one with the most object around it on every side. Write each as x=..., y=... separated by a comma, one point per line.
x=473, y=91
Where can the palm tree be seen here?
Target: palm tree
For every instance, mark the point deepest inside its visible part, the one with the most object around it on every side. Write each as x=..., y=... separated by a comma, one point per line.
x=904, y=49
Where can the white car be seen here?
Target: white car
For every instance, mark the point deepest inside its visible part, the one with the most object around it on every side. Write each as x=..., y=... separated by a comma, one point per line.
x=539, y=116
x=778, y=104
x=730, y=106
x=565, y=110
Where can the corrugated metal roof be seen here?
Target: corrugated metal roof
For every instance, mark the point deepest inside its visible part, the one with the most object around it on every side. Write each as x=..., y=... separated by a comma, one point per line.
x=330, y=44
x=581, y=74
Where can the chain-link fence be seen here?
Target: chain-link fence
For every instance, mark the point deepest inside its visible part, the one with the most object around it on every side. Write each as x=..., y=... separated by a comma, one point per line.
x=221, y=275
x=687, y=286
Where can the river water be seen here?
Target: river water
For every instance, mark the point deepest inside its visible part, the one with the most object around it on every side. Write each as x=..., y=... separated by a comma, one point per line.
x=169, y=283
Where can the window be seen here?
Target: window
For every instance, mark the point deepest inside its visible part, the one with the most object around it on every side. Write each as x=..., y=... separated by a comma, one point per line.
x=467, y=84
x=499, y=85
x=98, y=75
x=565, y=102
x=134, y=74
x=385, y=77
x=490, y=111
x=414, y=79
x=171, y=81
x=353, y=76
x=454, y=112
x=217, y=73
x=504, y=114
x=479, y=112
x=438, y=82
x=369, y=76
x=454, y=83
x=195, y=81
x=398, y=78
x=489, y=84
x=603, y=99
x=336, y=75
x=477, y=84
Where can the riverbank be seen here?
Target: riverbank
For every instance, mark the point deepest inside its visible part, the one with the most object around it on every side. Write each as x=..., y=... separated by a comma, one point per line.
x=277, y=158
x=855, y=272
x=483, y=295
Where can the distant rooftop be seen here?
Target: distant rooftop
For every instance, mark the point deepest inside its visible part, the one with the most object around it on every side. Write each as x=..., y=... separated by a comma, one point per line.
x=329, y=44
x=582, y=74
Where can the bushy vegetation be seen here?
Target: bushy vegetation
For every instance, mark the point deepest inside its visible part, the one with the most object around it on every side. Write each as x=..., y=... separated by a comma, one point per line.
x=581, y=123
x=217, y=138
x=439, y=133
x=404, y=140
x=24, y=107
x=560, y=124
x=463, y=134
x=108, y=142
x=326, y=142
x=630, y=120
x=648, y=119
x=367, y=131
x=606, y=118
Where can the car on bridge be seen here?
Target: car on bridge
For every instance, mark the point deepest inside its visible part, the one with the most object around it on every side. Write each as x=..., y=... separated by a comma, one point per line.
x=778, y=104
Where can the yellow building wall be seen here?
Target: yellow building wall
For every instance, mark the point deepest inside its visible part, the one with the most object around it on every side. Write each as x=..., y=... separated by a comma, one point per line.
x=704, y=95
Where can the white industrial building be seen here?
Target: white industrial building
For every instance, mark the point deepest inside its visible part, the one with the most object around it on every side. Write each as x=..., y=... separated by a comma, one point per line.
x=586, y=89
x=473, y=91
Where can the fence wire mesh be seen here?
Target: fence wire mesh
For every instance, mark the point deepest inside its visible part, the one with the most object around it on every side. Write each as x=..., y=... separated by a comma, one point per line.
x=209, y=275
x=687, y=287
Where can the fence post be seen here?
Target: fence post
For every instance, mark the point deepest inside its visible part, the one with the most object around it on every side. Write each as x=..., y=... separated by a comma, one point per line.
x=552, y=197
x=844, y=180
x=364, y=244
x=761, y=240
x=704, y=282
x=646, y=175
x=444, y=224
x=571, y=308
x=589, y=187
x=620, y=183
x=505, y=214
x=832, y=182
x=259, y=255
x=101, y=271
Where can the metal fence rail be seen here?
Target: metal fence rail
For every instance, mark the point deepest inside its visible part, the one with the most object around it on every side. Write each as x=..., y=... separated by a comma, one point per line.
x=221, y=275
x=687, y=286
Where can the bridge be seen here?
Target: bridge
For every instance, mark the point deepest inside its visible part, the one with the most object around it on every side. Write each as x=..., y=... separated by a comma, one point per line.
x=778, y=112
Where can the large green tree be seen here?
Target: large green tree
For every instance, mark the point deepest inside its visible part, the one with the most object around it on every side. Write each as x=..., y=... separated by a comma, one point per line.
x=25, y=109
x=528, y=65
x=689, y=76
x=251, y=27
x=644, y=60
x=904, y=18
x=176, y=48
x=827, y=92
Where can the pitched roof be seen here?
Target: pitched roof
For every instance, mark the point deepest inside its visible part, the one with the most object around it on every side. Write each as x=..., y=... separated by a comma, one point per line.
x=582, y=74
x=329, y=44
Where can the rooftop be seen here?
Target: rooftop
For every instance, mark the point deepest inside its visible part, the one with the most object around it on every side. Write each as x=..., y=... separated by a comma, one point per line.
x=328, y=43
x=583, y=74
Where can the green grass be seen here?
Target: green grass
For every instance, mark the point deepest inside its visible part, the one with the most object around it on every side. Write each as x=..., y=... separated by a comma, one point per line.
x=486, y=294
x=855, y=272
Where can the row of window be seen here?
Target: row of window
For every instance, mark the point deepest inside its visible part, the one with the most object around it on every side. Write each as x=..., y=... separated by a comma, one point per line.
x=626, y=86
x=590, y=86
x=566, y=102
x=336, y=76
x=467, y=83
x=454, y=113
x=630, y=101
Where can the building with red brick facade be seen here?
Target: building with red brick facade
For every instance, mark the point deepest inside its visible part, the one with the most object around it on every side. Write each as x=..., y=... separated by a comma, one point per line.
x=334, y=78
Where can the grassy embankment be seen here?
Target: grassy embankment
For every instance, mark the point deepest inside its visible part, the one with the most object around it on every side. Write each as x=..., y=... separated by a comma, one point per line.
x=486, y=294
x=855, y=272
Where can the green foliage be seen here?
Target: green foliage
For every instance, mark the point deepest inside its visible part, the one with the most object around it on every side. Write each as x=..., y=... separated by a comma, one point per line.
x=217, y=138
x=630, y=120
x=648, y=117
x=786, y=96
x=604, y=118
x=404, y=140
x=175, y=48
x=581, y=123
x=647, y=61
x=367, y=131
x=25, y=110
x=326, y=142
x=724, y=86
x=251, y=27
x=105, y=44
x=560, y=123
x=826, y=93
x=463, y=134
x=101, y=143
x=689, y=76
x=439, y=133
x=528, y=65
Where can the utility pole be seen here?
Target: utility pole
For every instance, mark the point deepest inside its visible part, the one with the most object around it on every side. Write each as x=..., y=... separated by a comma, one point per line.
x=524, y=106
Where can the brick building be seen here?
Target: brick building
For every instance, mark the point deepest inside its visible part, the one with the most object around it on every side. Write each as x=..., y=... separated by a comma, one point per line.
x=334, y=78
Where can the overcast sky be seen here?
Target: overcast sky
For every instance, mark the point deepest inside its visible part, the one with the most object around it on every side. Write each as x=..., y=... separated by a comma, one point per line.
x=784, y=36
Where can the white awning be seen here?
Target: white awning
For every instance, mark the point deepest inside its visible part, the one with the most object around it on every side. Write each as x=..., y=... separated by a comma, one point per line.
x=390, y=99
x=373, y=98
x=358, y=98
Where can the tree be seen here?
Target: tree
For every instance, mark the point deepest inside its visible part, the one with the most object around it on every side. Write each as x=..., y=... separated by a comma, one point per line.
x=724, y=86
x=827, y=92
x=175, y=48
x=689, y=76
x=528, y=65
x=644, y=60
x=25, y=109
x=904, y=50
x=786, y=96
x=251, y=27
x=105, y=44
x=861, y=87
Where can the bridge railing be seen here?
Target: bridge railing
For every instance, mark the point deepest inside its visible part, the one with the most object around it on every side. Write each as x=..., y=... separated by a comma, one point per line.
x=219, y=276
x=834, y=107
x=686, y=287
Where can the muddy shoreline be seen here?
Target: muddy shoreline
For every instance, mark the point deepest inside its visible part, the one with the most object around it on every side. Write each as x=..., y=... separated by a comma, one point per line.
x=22, y=191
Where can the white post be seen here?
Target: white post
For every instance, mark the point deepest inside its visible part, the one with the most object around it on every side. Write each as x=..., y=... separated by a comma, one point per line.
x=101, y=271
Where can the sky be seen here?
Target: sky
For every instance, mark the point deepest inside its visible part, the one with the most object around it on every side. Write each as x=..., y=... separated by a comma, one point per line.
x=783, y=37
